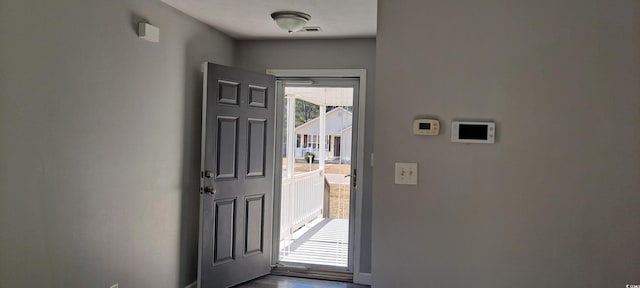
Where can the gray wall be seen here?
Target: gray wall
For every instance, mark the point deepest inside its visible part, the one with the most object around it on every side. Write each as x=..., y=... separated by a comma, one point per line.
x=99, y=150
x=323, y=54
x=556, y=201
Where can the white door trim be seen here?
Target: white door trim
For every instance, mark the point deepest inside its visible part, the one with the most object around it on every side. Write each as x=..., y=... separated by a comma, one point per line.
x=358, y=276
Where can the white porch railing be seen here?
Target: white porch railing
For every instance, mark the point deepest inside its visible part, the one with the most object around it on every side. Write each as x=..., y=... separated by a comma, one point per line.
x=302, y=200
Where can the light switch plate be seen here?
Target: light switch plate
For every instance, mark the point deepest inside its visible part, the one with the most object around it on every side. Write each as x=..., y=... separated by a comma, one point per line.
x=406, y=173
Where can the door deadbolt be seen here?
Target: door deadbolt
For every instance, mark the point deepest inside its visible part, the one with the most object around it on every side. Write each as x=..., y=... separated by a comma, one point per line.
x=208, y=174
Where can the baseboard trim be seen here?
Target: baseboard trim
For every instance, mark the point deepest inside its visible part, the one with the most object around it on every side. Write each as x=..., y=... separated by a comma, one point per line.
x=192, y=285
x=362, y=278
x=313, y=274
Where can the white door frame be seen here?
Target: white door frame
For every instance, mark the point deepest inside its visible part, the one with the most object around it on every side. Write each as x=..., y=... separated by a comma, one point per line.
x=358, y=276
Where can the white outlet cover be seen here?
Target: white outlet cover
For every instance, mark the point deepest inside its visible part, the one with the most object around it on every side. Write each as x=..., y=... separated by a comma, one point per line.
x=406, y=173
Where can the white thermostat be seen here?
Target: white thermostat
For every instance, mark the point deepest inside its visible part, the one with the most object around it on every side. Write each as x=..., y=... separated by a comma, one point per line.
x=473, y=132
x=426, y=127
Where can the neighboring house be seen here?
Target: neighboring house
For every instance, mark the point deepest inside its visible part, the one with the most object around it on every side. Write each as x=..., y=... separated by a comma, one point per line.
x=338, y=136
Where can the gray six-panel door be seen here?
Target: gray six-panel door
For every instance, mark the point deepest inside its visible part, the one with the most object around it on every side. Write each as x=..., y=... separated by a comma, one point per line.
x=237, y=176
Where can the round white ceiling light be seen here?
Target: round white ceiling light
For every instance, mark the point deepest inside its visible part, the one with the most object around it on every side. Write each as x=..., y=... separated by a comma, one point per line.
x=290, y=21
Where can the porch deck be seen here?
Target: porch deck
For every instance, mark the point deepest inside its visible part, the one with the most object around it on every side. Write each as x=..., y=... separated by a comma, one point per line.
x=321, y=242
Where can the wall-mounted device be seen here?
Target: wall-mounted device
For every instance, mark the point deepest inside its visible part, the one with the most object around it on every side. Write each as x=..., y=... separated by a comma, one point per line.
x=148, y=32
x=473, y=132
x=426, y=127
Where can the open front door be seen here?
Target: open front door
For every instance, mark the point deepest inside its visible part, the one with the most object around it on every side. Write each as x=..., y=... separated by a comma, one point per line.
x=236, y=208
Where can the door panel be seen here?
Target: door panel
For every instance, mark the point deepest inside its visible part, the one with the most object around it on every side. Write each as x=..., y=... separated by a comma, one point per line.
x=227, y=148
x=224, y=226
x=228, y=92
x=256, y=146
x=237, y=176
x=257, y=96
x=254, y=226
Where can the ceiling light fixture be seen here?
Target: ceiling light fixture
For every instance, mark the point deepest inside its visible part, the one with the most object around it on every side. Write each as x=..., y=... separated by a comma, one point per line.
x=290, y=21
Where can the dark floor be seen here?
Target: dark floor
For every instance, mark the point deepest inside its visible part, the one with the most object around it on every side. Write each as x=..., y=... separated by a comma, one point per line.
x=273, y=281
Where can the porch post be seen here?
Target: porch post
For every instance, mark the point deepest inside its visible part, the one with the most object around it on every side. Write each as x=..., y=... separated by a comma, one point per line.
x=291, y=135
x=323, y=135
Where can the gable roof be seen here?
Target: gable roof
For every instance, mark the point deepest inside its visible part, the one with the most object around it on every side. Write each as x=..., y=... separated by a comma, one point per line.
x=338, y=119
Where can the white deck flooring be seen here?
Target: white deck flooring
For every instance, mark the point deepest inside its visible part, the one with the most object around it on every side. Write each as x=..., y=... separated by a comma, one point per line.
x=322, y=242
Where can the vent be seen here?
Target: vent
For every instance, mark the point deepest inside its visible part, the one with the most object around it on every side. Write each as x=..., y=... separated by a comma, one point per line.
x=311, y=29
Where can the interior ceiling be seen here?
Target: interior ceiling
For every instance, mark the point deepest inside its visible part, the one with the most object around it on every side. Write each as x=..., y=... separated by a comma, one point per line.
x=251, y=19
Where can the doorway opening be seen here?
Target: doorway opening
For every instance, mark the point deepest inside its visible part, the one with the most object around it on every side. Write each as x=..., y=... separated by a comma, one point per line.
x=316, y=196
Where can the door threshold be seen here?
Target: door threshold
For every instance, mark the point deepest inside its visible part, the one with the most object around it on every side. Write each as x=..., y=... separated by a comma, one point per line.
x=313, y=274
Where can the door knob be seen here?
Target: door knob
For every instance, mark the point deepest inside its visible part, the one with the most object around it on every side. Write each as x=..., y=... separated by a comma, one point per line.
x=210, y=190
